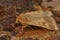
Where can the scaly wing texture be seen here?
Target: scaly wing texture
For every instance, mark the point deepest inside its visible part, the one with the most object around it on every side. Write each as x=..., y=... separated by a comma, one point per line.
x=38, y=18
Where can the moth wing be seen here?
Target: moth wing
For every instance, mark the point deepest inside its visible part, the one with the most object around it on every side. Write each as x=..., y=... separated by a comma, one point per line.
x=38, y=18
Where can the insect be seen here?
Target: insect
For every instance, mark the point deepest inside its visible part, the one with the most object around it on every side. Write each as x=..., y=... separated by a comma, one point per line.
x=38, y=18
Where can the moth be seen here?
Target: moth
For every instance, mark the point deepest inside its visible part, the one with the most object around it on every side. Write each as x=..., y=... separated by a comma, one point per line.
x=40, y=18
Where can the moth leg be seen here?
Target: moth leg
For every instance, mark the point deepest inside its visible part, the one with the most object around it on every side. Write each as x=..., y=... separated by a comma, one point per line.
x=30, y=27
x=23, y=27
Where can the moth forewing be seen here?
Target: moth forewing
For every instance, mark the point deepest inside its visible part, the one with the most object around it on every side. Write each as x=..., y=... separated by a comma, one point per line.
x=39, y=19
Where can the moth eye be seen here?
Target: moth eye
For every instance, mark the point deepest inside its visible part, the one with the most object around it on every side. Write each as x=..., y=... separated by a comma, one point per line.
x=18, y=24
